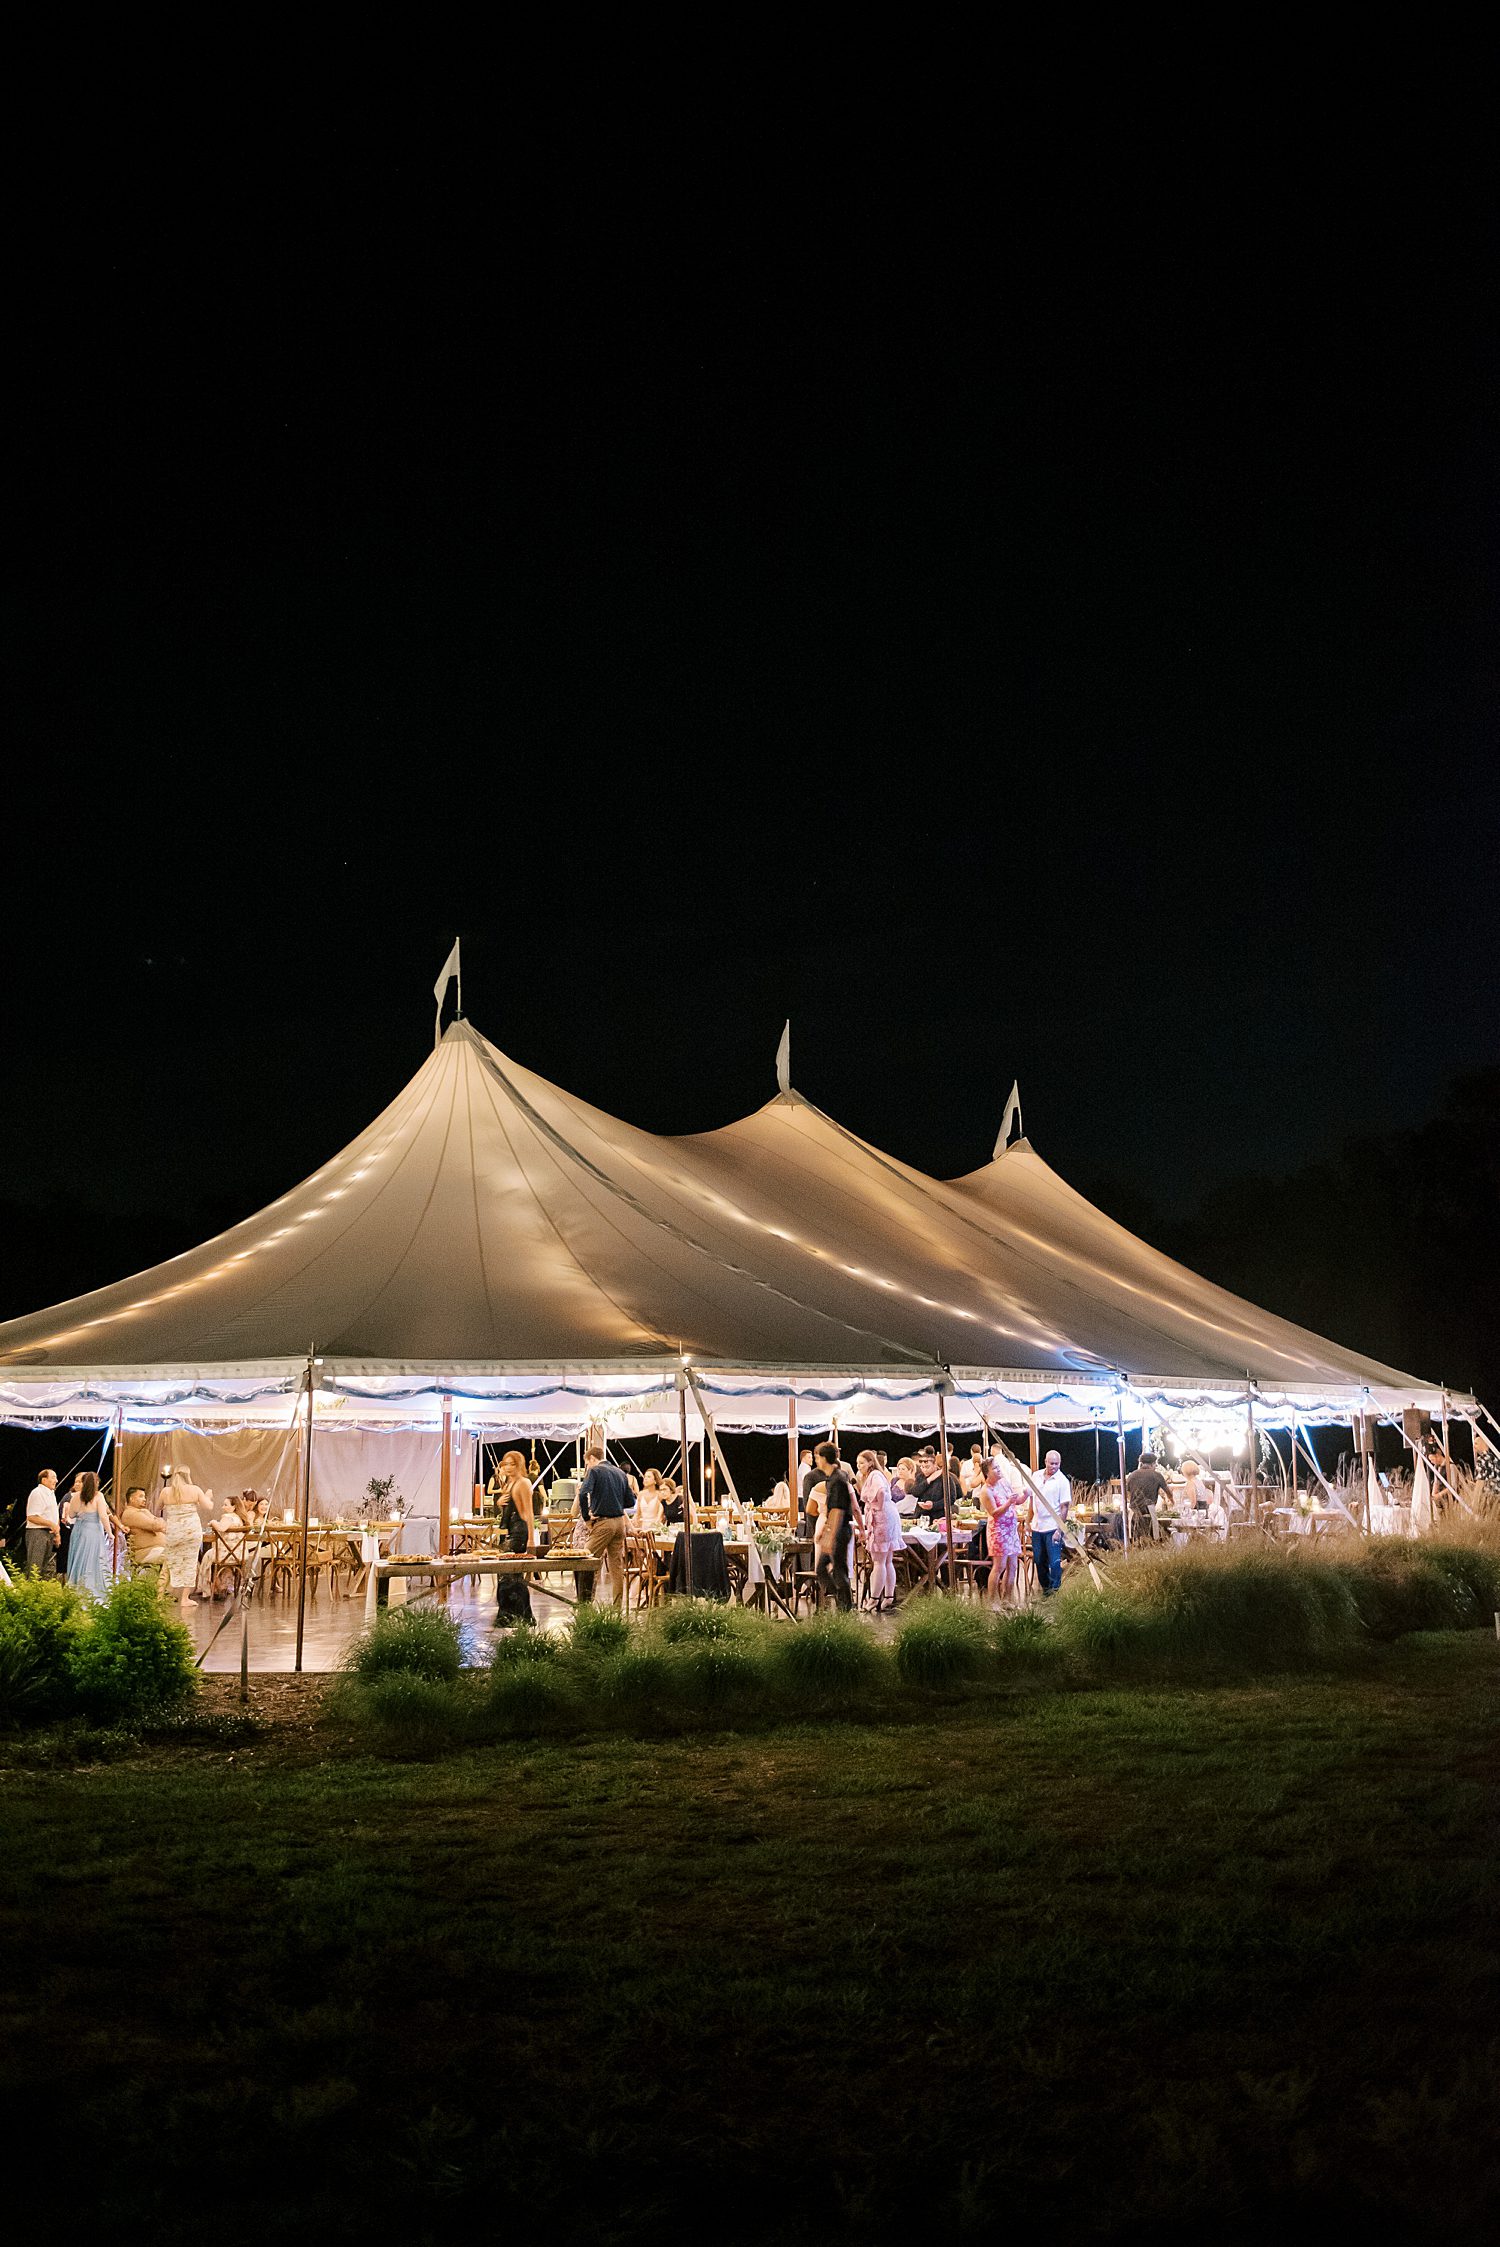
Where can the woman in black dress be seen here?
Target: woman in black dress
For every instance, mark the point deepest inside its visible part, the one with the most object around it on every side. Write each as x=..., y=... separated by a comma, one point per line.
x=512, y=1593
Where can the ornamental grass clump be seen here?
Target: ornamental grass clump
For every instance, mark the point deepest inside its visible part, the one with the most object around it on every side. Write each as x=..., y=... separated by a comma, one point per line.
x=408, y=1716
x=598, y=1631
x=412, y=1641
x=1025, y=1638
x=640, y=1681
x=941, y=1644
x=531, y=1696
x=1401, y=1586
x=832, y=1658
x=132, y=1657
x=1216, y=1608
x=718, y=1674
x=696, y=1621
x=526, y=1645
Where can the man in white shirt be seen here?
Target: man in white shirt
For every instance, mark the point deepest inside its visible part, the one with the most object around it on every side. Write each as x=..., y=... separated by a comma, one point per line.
x=1048, y=1513
x=43, y=1530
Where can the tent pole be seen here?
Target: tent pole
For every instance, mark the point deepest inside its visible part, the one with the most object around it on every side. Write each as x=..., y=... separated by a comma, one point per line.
x=119, y=1489
x=687, y=1481
x=1447, y=1444
x=791, y=1464
x=445, y=1482
x=1036, y=1454
x=1254, y=1492
x=942, y=1401
x=1124, y=1493
x=306, y=1510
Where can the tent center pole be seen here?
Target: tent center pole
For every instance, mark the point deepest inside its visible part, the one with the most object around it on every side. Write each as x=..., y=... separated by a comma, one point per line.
x=687, y=1484
x=306, y=1513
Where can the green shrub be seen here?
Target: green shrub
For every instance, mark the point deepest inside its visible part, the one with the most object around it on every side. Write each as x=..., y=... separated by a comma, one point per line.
x=941, y=1643
x=530, y=1696
x=39, y=1619
x=415, y=1641
x=133, y=1656
x=832, y=1656
x=408, y=1716
x=598, y=1630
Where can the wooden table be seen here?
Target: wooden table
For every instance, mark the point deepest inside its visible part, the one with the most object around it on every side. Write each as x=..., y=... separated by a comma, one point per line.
x=445, y=1571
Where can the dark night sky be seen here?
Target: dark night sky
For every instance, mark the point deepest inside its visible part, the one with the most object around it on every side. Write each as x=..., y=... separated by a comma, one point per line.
x=1030, y=620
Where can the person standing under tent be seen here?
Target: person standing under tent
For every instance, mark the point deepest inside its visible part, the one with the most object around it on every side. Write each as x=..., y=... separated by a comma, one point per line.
x=88, y=1547
x=43, y=1529
x=517, y=1525
x=999, y=1499
x=882, y=1529
x=835, y=1526
x=1048, y=1513
x=1142, y=1489
x=650, y=1507
x=183, y=1507
x=605, y=1496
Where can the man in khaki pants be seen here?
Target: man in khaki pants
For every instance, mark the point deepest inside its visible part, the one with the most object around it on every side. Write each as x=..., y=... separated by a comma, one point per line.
x=604, y=1496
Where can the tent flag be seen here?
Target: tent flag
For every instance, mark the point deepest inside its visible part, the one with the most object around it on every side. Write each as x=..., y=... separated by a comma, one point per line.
x=452, y=970
x=784, y=1060
x=1012, y=1116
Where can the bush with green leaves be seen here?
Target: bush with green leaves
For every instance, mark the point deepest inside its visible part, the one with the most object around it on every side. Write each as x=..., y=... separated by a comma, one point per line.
x=414, y=1641
x=941, y=1643
x=833, y=1657
x=39, y=1620
x=133, y=1656
x=1024, y=1636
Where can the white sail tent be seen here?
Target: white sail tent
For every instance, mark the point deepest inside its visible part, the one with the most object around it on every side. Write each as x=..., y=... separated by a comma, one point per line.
x=493, y=1249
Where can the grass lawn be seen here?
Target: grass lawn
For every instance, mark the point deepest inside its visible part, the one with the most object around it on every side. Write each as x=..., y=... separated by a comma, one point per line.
x=1209, y=1963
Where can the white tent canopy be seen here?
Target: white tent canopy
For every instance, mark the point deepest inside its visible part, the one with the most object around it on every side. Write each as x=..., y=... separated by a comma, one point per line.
x=493, y=1240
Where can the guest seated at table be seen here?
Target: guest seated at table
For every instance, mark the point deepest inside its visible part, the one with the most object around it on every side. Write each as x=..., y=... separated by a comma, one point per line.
x=671, y=1504
x=651, y=1507
x=902, y=1482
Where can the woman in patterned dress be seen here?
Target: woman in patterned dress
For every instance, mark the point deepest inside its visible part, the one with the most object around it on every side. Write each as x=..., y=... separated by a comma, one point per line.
x=999, y=1499
x=183, y=1507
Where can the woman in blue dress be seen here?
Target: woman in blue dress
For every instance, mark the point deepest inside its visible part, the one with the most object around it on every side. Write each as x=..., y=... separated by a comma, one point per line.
x=88, y=1547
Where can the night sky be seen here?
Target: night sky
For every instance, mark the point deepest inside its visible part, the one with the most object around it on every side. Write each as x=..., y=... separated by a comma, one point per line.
x=1017, y=622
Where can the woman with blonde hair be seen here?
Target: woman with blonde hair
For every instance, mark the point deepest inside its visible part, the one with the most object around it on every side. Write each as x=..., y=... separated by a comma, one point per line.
x=999, y=1498
x=183, y=1508
x=517, y=1521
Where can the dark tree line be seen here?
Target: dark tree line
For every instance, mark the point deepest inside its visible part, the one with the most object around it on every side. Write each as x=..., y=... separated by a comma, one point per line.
x=1392, y=1248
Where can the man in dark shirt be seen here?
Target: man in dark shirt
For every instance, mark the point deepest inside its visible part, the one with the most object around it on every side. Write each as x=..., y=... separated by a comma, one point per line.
x=1143, y=1488
x=928, y=1487
x=604, y=1497
x=836, y=1526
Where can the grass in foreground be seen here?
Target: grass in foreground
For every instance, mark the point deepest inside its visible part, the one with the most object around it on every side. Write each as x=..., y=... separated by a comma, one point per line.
x=1079, y=1965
